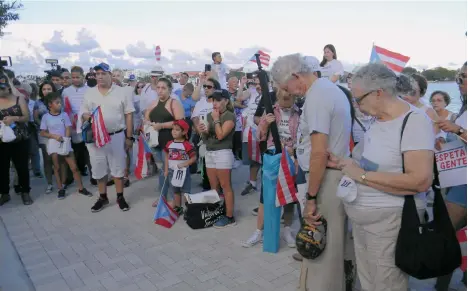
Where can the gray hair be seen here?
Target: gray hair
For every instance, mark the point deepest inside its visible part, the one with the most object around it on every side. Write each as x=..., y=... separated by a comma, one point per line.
x=376, y=76
x=287, y=65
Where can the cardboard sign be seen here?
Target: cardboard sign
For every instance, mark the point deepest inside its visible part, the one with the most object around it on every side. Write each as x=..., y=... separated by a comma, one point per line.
x=178, y=177
x=451, y=163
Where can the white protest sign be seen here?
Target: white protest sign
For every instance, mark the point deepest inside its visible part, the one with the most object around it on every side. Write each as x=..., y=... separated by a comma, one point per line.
x=451, y=164
x=178, y=177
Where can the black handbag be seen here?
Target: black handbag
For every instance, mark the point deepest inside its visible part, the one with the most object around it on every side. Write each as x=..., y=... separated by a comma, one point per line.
x=203, y=215
x=426, y=250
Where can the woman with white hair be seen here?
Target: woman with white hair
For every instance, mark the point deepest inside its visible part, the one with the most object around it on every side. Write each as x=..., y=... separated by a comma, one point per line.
x=388, y=167
x=324, y=126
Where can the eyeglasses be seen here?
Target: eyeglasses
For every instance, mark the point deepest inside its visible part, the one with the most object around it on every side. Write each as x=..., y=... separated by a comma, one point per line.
x=207, y=87
x=141, y=87
x=358, y=100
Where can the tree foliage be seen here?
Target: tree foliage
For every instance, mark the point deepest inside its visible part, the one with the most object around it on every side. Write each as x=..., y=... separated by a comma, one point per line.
x=8, y=13
x=409, y=71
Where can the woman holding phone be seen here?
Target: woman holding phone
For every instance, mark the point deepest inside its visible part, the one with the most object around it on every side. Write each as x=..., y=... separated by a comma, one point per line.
x=218, y=134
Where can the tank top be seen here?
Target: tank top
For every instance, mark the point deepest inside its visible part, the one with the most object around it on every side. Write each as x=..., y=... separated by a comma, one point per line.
x=159, y=114
x=21, y=129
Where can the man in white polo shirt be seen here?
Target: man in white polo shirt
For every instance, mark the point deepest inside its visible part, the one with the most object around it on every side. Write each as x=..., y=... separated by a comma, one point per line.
x=117, y=111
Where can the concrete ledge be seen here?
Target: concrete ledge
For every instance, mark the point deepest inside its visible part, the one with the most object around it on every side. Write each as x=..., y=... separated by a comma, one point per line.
x=13, y=276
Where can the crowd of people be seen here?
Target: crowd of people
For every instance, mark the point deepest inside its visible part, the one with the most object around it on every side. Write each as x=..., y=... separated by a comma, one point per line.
x=332, y=133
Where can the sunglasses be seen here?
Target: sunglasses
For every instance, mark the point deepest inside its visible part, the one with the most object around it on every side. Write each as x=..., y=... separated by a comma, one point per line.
x=358, y=100
x=141, y=87
x=207, y=87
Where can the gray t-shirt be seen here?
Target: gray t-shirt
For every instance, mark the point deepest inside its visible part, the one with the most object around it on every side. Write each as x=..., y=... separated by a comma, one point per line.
x=382, y=152
x=326, y=110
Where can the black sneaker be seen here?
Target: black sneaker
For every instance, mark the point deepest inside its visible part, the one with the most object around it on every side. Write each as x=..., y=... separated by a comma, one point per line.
x=4, y=199
x=255, y=211
x=126, y=182
x=85, y=192
x=179, y=210
x=61, y=194
x=123, y=205
x=100, y=204
x=249, y=188
x=17, y=189
x=93, y=182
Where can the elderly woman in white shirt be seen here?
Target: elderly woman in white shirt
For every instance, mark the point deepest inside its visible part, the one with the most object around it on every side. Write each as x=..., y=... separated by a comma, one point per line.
x=331, y=68
x=376, y=209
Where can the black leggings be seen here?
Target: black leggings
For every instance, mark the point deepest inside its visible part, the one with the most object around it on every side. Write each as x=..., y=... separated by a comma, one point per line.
x=15, y=152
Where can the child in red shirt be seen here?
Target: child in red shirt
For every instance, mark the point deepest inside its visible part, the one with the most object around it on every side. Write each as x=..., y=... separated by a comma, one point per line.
x=180, y=154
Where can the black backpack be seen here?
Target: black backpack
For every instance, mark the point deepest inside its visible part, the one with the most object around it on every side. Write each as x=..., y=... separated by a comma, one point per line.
x=426, y=250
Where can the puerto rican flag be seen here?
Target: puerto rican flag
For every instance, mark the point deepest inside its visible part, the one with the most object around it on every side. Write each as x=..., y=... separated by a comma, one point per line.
x=264, y=58
x=144, y=155
x=394, y=61
x=286, y=192
x=68, y=110
x=100, y=134
x=165, y=215
x=157, y=53
x=254, y=146
x=461, y=236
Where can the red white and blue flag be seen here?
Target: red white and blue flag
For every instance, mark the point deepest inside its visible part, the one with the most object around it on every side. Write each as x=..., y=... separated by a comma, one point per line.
x=461, y=236
x=100, y=134
x=165, y=215
x=142, y=170
x=157, y=53
x=254, y=146
x=68, y=110
x=285, y=190
x=264, y=58
x=394, y=61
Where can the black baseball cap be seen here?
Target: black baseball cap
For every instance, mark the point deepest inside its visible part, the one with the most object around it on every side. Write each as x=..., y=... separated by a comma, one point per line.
x=218, y=95
x=312, y=240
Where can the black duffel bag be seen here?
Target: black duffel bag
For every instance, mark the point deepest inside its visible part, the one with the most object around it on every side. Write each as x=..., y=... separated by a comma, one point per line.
x=427, y=250
x=203, y=215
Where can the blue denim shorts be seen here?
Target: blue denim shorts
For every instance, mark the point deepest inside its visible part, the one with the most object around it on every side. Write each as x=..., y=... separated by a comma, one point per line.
x=457, y=195
x=186, y=188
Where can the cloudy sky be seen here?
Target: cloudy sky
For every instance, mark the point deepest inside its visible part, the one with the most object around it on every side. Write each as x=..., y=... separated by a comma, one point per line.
x=125, y=33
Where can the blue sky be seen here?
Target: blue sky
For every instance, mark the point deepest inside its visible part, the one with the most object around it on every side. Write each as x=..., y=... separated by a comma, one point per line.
x=124, y=33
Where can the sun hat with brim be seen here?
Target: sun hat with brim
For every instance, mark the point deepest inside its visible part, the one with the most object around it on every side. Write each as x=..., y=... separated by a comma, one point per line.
x=312, y=240
x=103, y=67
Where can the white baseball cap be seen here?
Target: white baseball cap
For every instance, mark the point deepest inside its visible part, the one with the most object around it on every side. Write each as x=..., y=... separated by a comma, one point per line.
x=313, y=63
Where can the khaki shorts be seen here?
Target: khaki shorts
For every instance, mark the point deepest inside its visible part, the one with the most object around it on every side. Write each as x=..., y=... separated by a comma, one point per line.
x=111, y=158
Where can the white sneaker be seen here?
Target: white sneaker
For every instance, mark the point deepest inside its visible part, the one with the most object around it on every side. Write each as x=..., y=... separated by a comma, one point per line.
x=49, y=189
x=288, y=237
x=256, y=237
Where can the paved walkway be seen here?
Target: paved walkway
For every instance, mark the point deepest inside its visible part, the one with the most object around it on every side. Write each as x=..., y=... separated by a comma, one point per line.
x=64, y=246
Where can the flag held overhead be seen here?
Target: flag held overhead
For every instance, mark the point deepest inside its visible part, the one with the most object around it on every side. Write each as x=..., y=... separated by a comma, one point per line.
x=394, y=61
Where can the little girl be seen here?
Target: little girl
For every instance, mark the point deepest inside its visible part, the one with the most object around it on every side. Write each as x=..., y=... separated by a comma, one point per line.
x=56, y=126
x=179, y=154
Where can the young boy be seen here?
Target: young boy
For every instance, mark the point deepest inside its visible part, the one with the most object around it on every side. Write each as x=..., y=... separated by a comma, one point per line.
x=56, y=126
x=179, y=154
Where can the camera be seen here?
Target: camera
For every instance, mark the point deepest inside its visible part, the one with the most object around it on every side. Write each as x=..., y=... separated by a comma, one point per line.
x=5, y=62
x=56, y=68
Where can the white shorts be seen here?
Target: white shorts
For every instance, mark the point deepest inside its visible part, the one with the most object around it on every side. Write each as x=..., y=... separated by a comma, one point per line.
x=60, y=148
x=221, y=159
x=110, y=158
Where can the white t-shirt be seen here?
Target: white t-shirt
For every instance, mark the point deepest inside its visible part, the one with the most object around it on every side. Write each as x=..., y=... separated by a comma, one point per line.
x=334, y=67
x=202, y=107
x=283, y=126
x=360, y=129
x=382, y=152
x=221, y=70
x=249, y=112
x=75, y=96
x=326, y=110
x=55, y=124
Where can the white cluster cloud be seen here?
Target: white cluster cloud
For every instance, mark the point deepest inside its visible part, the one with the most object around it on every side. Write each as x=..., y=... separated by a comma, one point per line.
x=87, y=52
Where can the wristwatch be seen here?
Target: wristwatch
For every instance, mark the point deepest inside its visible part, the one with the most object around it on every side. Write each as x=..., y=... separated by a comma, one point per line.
x=461, y=131
x=311, y=197
x=363, y=177
x=131, y=138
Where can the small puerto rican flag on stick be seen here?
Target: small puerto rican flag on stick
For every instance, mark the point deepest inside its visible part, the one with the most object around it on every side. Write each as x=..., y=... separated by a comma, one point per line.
x=100, y=134
x=394, y=61
x=285, y=189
